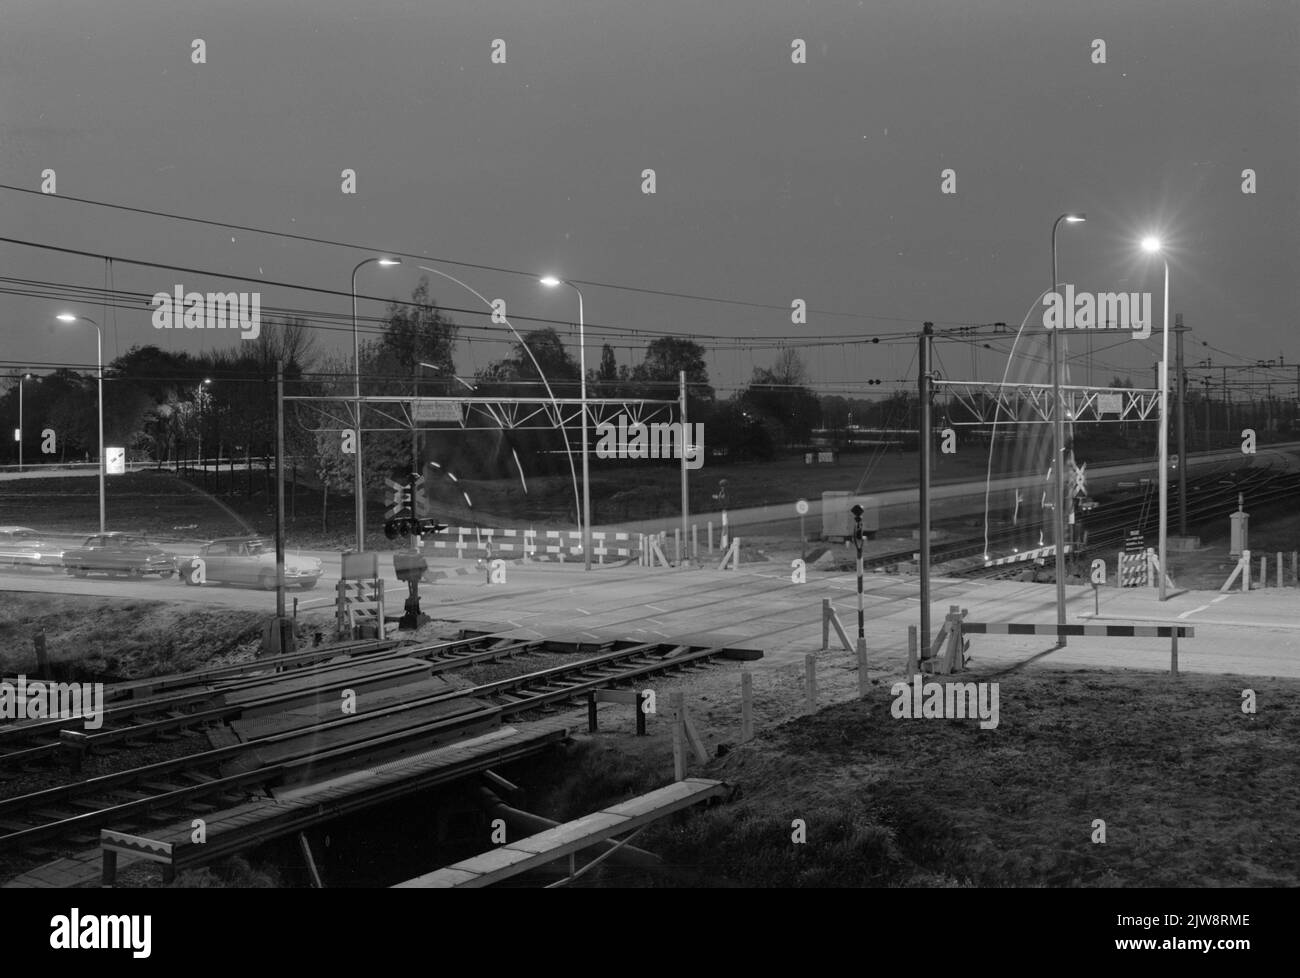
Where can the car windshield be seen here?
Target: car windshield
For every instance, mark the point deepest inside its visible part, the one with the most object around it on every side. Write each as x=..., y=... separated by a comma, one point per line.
x=256, y=546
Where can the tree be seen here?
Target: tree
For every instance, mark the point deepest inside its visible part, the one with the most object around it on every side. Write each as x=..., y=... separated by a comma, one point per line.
x=666, y=357
x=778, y=398
x=607, y=373
x=417, y=331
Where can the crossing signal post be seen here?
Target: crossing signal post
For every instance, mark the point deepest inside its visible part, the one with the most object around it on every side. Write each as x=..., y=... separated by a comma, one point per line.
x=857, y=542
x=409, y=565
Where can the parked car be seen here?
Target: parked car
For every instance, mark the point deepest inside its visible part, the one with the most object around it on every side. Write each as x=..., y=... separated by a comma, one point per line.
x=248, y=560
x=22, y=546
x=119, y=553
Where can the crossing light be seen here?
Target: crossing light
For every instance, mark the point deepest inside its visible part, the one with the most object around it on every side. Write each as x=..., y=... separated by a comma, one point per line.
x=408, y=526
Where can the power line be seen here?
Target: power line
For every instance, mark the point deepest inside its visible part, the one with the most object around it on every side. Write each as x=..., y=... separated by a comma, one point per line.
x=312, y=239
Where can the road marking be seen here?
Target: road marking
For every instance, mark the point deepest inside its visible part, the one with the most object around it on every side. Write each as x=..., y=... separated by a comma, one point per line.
x=657, y=608
x=581, y=612
x=1193, y=611
x=1221, y=597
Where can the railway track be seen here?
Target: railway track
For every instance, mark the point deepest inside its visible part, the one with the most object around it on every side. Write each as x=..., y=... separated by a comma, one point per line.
x=198, y=784
x=26, y=747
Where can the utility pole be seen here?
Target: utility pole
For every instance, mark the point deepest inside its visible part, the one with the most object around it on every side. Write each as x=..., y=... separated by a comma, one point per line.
x=1205, y=446
x=682, y=559
x=923, y=383
x=1182, y=425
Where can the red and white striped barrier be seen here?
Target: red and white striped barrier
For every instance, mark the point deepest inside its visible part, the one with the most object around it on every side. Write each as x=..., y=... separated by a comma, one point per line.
x=484, y=542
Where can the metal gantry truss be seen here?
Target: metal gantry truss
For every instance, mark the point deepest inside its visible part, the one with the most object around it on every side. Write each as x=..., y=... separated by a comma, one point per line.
x=484, y=413
x=991, y=403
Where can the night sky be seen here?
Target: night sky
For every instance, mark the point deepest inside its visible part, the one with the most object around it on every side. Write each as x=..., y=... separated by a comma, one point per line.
x=775, y=181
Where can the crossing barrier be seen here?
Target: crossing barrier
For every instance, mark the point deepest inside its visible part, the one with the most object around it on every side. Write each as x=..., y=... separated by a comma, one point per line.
x=534, y=544
x=957, y=628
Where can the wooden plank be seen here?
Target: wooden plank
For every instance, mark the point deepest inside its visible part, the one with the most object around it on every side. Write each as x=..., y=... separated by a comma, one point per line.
x=631, y=815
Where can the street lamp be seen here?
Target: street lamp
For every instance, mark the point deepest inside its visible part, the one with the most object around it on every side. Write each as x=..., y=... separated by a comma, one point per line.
x=67, y=317
x=1058, y=440
x=19, y=432
x=1152, y=246
x=202, y=400
x=550, y=281
x=356, y=395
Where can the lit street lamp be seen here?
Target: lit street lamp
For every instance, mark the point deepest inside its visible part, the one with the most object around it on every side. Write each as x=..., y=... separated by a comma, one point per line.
x=1152, y=245
x=550, y=281
x=19, y=432
x=356, y=393
x=1058, y=440
x=67, y=317
x=200, y=395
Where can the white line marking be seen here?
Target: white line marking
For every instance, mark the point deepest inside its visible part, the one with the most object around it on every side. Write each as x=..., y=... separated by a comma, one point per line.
x=653, y=607
x=1221, y=597
x=1193, y=611
x=581, y=612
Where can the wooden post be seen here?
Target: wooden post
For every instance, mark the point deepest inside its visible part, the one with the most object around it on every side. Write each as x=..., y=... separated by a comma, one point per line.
x=677, y=700
x=1263, y=570
x=810, y=672
x=710, y=537
x=912, y=666
x=746, y=706
x=639, y=709
x=591, y=711
x=110, y=868
x=677, y=546
x=695, y=542
x=826, y=623
x=1173, y=652
x=864, y=681
x=305, y=846
x=42, y=660
x=1281, y=571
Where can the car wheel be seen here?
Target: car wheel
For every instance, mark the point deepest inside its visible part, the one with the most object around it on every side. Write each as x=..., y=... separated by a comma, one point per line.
x=165, y=575
x=135, y=573
x=307, y=585
x=77, y=571
x=266, y=581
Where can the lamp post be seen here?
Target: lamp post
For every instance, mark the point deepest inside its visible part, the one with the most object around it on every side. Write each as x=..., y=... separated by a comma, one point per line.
x=356, y=396
x=550, y=281
x=21, y=379
x=67, y=317
x=1058, y=441
x=202, y=400
x=1152, y=246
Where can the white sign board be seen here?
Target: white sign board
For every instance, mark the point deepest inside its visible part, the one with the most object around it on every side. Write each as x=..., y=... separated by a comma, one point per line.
x=18, y=434
x=1110, y=403
x=115, y=461
x=433, y=409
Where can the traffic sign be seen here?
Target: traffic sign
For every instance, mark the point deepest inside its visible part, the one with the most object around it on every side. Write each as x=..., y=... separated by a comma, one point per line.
x=436, y=409
x=801, y=507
